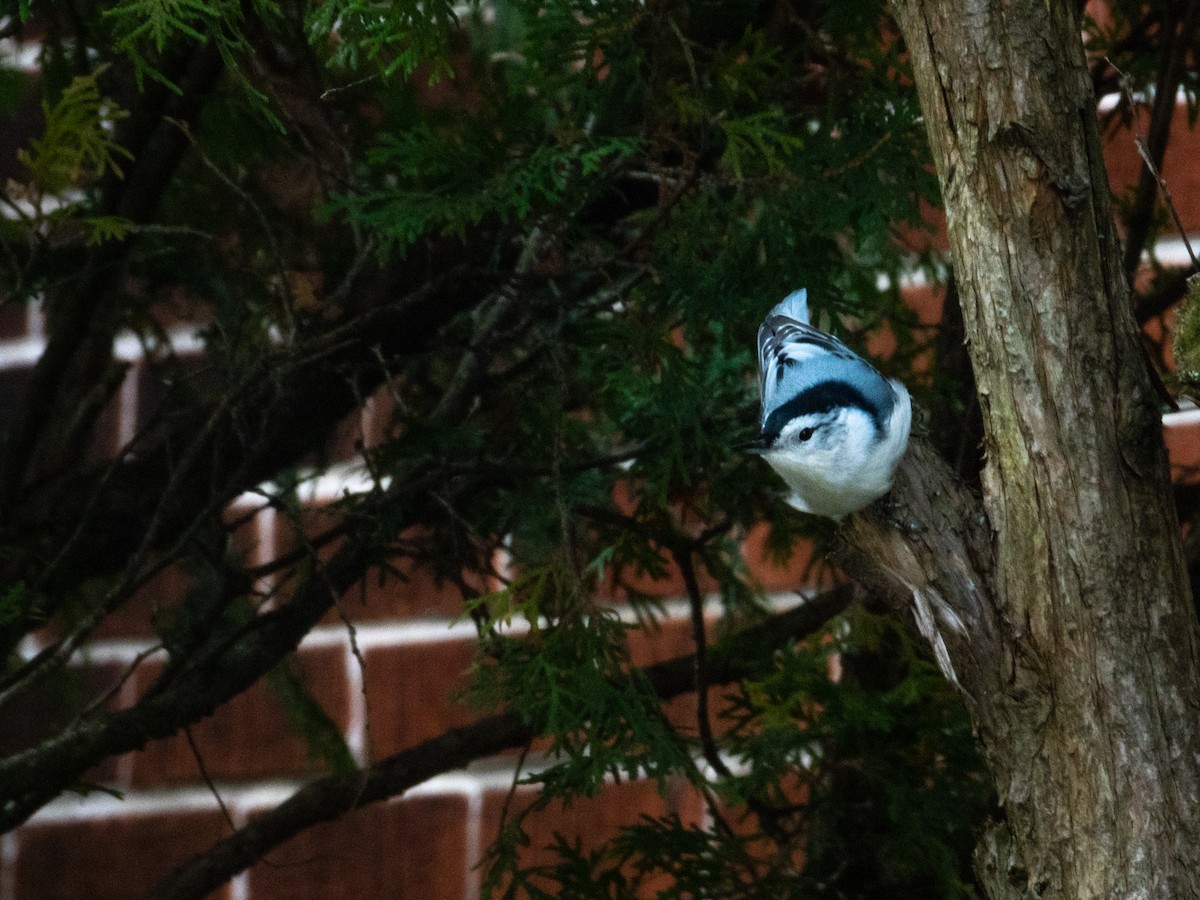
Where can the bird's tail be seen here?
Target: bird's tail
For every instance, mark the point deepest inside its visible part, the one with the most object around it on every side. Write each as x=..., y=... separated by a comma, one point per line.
x=794, y=306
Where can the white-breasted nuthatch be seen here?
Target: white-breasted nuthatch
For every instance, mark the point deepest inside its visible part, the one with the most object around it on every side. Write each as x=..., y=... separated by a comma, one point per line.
x=832, y=427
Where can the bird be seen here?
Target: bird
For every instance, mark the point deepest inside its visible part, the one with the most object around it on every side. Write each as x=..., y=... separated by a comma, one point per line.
x=831, y=426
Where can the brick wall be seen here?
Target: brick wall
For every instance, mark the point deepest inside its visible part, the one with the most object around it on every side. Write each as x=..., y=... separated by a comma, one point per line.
x=400, y=689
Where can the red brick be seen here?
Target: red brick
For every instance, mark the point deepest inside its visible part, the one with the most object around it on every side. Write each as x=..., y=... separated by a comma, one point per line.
x=618, y=587
x=143, y=614
x=1099, y=11
x=460, y=93
x=112, y=858
x=251, y=735
x=801, y=571
x=403, y=591
x=683, y=713
x=668, y=583
x=154, y=384
x=50, y=706
x=1178, y=170
x=293, y=531
x=410, y=849
x=106, y=433
x=661, y=640
x=1182, y=437
x=151, y=607
x=376, y=422
x=409, y=591
x=591, y=820
x=13, y=385
x=1124, y=167
x=1159, y=332
x=665, y=580
x=13, y=320
x=412, y=690
x=672, y=638
x=378, y=417
x=175, y=307
x=932, y=235
x=348, y=437
x=926, y=300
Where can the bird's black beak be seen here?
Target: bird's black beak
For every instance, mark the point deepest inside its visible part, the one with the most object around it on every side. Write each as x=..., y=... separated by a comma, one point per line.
x=754, y=447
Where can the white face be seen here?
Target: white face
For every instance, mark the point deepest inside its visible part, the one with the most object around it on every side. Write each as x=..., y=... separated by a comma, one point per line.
x=837, y=461
x=829, y=443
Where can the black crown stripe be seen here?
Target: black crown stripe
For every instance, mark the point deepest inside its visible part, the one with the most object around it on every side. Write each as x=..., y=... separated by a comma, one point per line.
x=820, y=398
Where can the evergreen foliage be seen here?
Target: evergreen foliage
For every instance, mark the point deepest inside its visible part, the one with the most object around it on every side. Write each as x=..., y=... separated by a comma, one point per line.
x=551, y=229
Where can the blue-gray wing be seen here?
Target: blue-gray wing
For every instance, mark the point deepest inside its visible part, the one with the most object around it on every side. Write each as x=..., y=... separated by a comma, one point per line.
x=793, y=356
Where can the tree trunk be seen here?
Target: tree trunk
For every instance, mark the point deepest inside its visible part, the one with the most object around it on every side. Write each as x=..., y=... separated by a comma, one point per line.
x=1063, y=611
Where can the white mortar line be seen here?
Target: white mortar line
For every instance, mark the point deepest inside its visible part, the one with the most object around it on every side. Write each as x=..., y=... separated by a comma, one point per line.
x=20, y=353
x=401, y=632
x=35, y=319
x=1184, y=418
x=473, y=843
x=246, y=799
x=127, y=406
x=1109, y=102
x=26, y=350
x=331, y=484
x=1172, y=251
x=21, y=56
x=239, y=886
x=183, y=341
x=356, y=706
x=8, y=865
x=154, y=801
x=117, y=651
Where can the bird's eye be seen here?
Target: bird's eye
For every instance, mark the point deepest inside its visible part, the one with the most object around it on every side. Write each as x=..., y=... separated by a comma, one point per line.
x=805, y=433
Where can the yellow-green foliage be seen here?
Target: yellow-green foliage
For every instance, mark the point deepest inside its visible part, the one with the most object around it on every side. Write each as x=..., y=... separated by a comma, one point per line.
x=78, y=145
x=1187, y=337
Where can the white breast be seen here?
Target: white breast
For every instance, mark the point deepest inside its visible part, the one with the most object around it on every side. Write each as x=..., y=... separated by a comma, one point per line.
x=851, y=469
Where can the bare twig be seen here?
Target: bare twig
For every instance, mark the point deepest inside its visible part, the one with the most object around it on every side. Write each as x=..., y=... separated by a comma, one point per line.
x=113, y=689
x=1178, y=36
x=708, y=744
x=289, y=304
x=1166, y=195
x=701, y=682
x=329, y=798
x=207, y=779
x=135, y=573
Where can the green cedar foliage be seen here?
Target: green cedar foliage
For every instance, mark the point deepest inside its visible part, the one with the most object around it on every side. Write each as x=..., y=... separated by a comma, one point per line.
x=602, y=127
x=1187, y=338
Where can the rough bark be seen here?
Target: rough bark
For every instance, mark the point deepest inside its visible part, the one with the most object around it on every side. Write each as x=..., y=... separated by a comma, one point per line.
x=1077, y=650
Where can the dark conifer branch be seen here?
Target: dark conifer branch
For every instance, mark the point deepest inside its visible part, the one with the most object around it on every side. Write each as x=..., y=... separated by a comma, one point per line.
x=1178, y=34
x=335, y=796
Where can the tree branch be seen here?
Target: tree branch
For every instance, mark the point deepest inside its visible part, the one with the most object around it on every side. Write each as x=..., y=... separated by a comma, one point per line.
x=1076, y=649
x=329, y=798
x=189, y=689
x=83, y=319
x=1179, y=35
x=925, y=550
x=34, y=777
x=301, y=393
